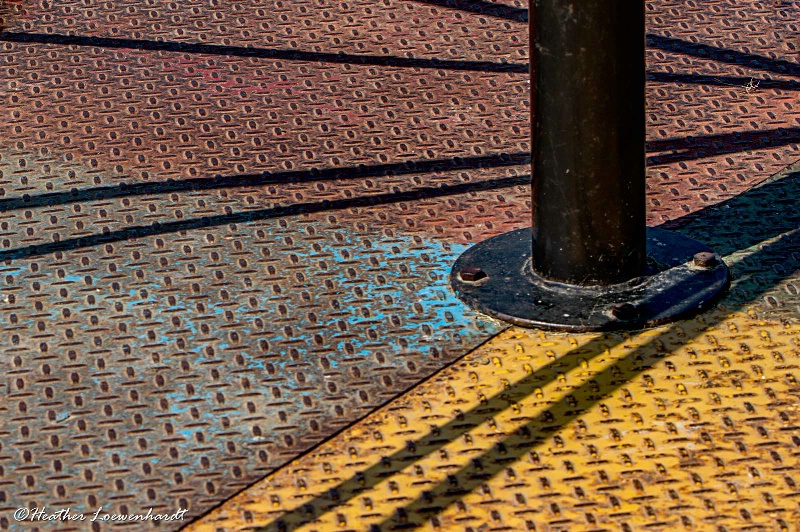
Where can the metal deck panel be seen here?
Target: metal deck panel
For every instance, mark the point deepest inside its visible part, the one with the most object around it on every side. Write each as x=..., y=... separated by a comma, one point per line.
x=226, y=228
x=686, y=427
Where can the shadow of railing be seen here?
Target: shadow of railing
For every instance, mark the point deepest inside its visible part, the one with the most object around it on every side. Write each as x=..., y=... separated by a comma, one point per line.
x=698, y=147
x=723, y=55
x=654, y=41
x=748, y=219
x=124, y=190
x=479, y=7
x=573, y=404
x=158, y=228
x=51, y=199
x=263, y=53
x=681, y=149
x=670, y=44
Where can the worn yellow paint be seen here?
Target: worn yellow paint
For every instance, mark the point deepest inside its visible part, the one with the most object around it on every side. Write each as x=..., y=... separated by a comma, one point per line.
x=693, y=426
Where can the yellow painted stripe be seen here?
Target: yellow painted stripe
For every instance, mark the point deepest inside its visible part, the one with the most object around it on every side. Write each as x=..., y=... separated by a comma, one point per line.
x=691, y=426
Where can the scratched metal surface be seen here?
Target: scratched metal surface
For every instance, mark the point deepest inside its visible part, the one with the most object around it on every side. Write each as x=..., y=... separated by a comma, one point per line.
x=225, y=227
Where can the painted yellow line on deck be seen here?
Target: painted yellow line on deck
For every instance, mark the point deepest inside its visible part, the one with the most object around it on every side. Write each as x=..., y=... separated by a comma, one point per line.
x=691, y=426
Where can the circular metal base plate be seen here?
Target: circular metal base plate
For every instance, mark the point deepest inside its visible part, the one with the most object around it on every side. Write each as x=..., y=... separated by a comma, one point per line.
x=495, y=278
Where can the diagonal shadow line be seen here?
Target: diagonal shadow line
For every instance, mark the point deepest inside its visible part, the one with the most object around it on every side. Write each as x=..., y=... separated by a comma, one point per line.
x=262, y=53
x=158, y=228
x=682, y=149
x=436, y=440
x=732, y=81
x=723, y=55
x=479, y=7
x=586, y=397
x=740, y=219
x=692, y=147
x=265, y=178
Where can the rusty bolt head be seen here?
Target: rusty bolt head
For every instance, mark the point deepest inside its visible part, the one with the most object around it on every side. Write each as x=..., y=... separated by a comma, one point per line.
x=472, y=274
x=705, y=260
x=624, y=311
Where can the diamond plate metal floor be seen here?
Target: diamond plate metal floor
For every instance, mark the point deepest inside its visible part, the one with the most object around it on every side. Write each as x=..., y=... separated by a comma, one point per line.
x=689, y=427
x=225, y=228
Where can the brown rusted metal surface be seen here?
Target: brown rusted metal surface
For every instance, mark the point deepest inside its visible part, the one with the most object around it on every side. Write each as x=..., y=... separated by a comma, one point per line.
x=225, y=227
x=722, y=100
x=172, y=336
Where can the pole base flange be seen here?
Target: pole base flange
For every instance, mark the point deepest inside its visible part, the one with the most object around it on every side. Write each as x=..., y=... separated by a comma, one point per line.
x=495, y=277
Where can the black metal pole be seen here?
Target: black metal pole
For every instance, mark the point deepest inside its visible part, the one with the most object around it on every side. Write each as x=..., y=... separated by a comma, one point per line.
x=589, y=134
x=589, y=262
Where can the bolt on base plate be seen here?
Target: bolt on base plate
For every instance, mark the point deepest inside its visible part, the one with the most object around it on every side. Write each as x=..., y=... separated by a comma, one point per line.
x=495, y=278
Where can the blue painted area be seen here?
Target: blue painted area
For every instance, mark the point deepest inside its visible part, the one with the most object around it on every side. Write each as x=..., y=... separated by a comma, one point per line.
x=444, y=322
x=396, y=315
